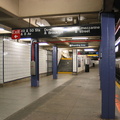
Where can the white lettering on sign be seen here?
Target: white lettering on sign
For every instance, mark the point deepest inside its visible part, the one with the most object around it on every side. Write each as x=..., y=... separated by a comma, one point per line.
x=37, y=30
x=15, y=31
x=52, y=31
x=87, y=29
x=31, y=30
x=28, y=32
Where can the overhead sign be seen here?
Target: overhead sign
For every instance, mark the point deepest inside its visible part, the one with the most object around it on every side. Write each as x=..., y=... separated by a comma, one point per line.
x=88, y=52
x=16, y=34
x=62, y=31
x=78, y=45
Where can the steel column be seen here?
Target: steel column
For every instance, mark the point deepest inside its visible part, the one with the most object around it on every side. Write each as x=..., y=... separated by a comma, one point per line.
x=108, y=65
x=75, y=62
x=35, y=57
x=55, y=50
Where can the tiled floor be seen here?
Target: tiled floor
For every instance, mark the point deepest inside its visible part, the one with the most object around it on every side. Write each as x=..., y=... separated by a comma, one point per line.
x=16, y=96
x=68, y=98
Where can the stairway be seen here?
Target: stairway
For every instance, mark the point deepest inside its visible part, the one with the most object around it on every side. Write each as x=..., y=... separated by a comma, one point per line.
x=65, y=65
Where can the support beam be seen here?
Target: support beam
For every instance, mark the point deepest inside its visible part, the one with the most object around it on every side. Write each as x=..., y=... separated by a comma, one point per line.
x=55, y=70
x=108, y=5
x=75, y=62
x=108, y=65
x=34, y=65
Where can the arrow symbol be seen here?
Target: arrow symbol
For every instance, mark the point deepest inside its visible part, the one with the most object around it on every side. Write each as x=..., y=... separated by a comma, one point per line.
x=15, y=36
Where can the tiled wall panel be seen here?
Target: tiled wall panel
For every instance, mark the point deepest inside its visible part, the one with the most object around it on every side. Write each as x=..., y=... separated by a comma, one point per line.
x=42, y=61
x=1, y=60
x=16, y=60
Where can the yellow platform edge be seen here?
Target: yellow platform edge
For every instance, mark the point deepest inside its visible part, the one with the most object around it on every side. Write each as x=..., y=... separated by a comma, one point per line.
x=117, y=84
x=66, y=58
x=65, y=72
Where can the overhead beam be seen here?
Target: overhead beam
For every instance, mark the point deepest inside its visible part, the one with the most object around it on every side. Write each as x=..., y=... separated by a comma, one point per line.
x=108, y=5
x=74, y=41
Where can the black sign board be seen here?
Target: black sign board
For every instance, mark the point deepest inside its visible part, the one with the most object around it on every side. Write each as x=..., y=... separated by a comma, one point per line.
x=78, y=45
x=88, y=52
x=62, y=31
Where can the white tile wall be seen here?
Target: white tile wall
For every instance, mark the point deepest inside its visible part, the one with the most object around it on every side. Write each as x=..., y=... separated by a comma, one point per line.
x=16, y=60
x=1, y=60
x=75, y=68
x=42, y=60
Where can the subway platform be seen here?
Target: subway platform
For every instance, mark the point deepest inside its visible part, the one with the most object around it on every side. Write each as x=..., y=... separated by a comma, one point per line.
x=70, y=97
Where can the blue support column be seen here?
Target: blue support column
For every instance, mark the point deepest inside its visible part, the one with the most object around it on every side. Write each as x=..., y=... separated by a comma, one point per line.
x=108, y=65
x=35, y=58
x=55, y=62
x=100, y=66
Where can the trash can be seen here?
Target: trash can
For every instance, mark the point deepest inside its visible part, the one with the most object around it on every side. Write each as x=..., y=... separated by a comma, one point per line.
x=86, y=68
x=93, y=64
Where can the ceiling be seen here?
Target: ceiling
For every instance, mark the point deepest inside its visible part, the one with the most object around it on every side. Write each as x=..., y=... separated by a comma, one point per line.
x=12, y=21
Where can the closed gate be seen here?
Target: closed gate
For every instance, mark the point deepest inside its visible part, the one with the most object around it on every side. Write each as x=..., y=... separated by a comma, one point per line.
x=49, y=62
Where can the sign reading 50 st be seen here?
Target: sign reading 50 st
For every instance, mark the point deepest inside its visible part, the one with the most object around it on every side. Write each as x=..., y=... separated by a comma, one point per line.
x=62, y=31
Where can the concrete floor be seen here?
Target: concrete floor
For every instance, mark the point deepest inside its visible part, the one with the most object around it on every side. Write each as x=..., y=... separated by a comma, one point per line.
x=70, y=97
x=18, y=95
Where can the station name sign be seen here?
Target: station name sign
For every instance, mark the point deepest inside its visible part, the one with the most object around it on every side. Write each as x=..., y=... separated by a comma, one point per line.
x=78, y=45
x=62, y=31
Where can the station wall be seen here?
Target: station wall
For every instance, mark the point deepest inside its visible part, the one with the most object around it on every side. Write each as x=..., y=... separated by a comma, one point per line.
x=1, y=59
x=17, y=60
x=42, y=60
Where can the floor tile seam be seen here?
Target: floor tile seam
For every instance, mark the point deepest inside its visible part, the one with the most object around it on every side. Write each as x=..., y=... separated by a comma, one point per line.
x=71, y=110
x=52, y=93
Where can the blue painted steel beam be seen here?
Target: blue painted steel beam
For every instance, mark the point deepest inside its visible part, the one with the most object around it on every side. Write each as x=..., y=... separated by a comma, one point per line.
x=108, y=65
x=55, y=69
x=100, y=67
x=35, y=78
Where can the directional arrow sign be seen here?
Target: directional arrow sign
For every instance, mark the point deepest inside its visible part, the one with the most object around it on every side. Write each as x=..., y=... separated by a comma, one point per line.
x=16, y=34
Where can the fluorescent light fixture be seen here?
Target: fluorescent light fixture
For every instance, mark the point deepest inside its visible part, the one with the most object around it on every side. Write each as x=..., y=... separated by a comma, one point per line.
x=116, y=49
x=43, y=44
x=2, y=29
x=89, y=50
x=25, y=39
x=40, y=24
x=79, y=50
x=79, y=38
x=82, y=18
x=117, y=41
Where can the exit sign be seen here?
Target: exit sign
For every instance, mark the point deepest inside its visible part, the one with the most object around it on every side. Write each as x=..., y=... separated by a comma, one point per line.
x=16, y=34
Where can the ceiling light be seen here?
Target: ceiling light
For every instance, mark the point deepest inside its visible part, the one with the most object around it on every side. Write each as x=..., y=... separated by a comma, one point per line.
x=89, y=50
x=2, y=29
x=69, y=19
x=77, y=38
x=41, y=22
x=79, y=50
x=116, y=49
x=82, y=18
x=25, y=39
x=43, y=44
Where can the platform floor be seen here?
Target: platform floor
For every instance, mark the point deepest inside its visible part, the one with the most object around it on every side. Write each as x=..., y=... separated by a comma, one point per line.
x=70, y=97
